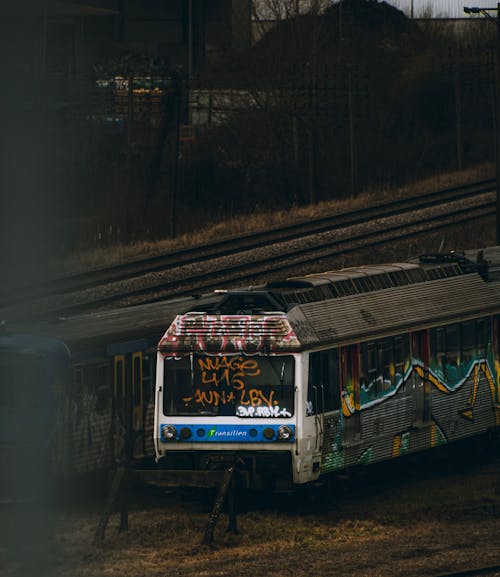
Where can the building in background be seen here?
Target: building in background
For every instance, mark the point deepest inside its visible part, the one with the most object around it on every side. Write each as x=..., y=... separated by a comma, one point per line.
x=67, y=38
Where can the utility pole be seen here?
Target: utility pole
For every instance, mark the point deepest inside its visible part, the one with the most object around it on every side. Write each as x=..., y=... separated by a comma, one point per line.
x=486, y=12
x=498, y=126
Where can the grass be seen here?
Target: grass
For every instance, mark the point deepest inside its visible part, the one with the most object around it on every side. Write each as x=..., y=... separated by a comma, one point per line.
x=411, y=517
x=105, y=256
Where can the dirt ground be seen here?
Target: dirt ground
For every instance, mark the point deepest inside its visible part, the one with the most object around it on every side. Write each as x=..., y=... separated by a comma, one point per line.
x=416, y=516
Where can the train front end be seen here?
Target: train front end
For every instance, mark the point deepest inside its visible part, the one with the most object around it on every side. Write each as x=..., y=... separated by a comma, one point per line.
x=226, y=391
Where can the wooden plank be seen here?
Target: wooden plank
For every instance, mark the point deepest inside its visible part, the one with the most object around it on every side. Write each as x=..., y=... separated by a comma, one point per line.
x=225, y=486
x=114, y=493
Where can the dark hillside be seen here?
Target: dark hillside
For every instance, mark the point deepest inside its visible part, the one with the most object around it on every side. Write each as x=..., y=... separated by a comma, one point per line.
x=357, y=97
x=320, y=107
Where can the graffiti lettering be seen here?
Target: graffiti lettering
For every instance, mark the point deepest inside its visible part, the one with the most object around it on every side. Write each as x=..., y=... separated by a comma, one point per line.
x=210, y=398
x=262, y=411
x=229, y=380
x=251, y=397
x=230, y=333
x=256, y=397
x=221, y=371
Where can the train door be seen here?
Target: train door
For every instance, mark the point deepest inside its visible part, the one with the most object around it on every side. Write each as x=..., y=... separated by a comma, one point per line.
x=137, y=394
x=323, y=402
x=129, y=368
x=420, y=351
x=351, y=394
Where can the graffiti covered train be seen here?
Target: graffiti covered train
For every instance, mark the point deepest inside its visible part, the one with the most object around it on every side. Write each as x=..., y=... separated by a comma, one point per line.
x=293, y=379
x=311, y=375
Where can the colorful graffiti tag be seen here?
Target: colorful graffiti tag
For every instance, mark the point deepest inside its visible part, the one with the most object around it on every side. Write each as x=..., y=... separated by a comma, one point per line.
x=482, y=372
x=229, y=333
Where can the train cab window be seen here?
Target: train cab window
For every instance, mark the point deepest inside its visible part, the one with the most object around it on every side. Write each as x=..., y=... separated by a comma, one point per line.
x=178, y=384
x=323, y=392
x=229, y=385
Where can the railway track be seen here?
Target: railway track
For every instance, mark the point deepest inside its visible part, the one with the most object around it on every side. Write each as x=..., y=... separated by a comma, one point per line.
x=225, y=247
x=256, y=255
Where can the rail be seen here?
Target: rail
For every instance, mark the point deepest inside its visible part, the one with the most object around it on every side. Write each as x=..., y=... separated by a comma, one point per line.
x=257, y=255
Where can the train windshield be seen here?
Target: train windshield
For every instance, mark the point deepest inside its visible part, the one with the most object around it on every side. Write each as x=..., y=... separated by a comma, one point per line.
x=229, y=385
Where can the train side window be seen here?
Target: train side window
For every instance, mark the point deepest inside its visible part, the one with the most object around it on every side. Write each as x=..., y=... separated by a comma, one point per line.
x=369, y=369
x=103, y=389
x=452, y=345
x=332, y=393
x=482, y=336
x=388, y=371
x=147, y=381
x=468, y=341
x=438, y=346
x=137, y=378
x=119, y=380
x=383, y=364
x=351, y=373
x=401, y=357
x=323, y=393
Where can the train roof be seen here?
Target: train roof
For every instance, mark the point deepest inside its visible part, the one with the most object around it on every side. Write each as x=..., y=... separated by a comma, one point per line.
x=395, y=310
x=366, y=302
x=113, y=331
x=33, y=344
x=368, y=278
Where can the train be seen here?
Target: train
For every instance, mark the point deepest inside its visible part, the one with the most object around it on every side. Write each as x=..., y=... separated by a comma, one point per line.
x=313, y=375
x=293, y=379
x=33, y=371
x=103, y=412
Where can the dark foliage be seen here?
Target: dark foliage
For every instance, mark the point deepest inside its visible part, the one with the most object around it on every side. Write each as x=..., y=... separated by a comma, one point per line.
x=322, y=107
x=356, y=97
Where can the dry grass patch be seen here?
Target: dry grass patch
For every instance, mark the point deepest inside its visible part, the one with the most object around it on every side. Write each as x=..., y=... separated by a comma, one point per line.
x=262, y=221
x=394, y=521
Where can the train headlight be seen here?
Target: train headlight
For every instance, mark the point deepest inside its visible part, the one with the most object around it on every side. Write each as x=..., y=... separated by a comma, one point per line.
x=285, y=433
x=169, y=432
